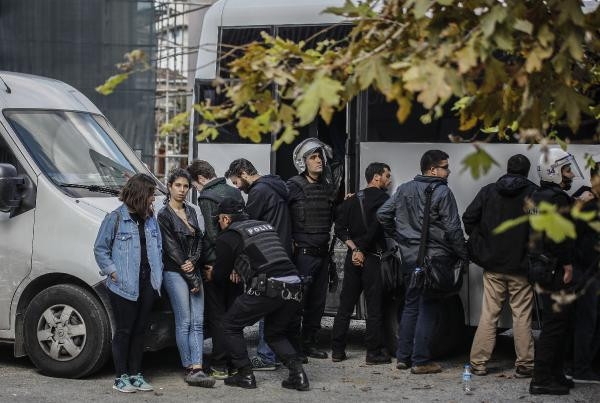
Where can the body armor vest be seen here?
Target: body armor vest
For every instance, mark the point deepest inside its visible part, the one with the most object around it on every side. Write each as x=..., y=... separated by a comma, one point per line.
x=262, y=248
x=312, y=214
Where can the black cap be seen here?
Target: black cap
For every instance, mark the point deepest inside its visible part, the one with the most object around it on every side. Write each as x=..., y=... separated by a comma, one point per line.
x=230, y=206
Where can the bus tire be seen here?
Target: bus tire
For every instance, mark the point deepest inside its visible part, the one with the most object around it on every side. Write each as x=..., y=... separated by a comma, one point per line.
x=67, y=332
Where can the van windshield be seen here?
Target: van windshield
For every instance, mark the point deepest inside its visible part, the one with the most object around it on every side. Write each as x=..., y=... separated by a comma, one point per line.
x=74, y=150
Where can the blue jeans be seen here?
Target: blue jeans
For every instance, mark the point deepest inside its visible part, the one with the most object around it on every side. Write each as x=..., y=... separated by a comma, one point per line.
x=263, y=351
x=415, y=326
x=188, y=310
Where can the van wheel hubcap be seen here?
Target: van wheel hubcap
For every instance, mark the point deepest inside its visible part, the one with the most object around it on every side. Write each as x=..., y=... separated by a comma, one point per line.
x=61, y=332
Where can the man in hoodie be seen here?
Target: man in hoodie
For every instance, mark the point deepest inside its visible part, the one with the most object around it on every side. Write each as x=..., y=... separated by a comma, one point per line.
x=503, y=258
x=402, y=219
x=267, y=201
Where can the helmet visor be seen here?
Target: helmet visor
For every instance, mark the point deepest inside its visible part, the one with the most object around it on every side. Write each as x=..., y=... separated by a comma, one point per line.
x=572, y=162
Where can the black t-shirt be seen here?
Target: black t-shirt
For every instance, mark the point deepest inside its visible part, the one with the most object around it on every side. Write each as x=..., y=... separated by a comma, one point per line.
x=144, y=264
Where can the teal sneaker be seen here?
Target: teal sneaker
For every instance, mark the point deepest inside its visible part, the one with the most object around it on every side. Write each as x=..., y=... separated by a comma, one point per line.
x=123, y=384
x=140, y=383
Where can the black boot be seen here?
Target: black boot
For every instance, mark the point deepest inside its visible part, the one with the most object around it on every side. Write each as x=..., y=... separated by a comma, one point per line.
x=297, y=378
x=547, y=387
x=309, y=347
x=244, y=378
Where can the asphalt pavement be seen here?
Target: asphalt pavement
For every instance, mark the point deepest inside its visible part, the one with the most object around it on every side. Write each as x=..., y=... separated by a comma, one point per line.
x=348, y=381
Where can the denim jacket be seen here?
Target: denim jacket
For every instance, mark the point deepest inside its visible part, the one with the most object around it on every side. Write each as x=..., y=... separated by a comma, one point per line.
x=123, y=255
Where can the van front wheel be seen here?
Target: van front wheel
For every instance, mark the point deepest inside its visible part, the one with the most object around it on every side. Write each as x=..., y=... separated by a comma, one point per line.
x=67, y=332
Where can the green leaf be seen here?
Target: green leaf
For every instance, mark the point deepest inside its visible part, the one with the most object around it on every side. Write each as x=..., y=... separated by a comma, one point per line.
x=552, y=223
x=571, y=103
x=322, y=93
x=111, y=84
x=478, y=162
x=508, y=224
x=586, y=216
x=496, y=15
x=523, y=26
x=428, y=80
x=249, y=128
x=536, y=58
x=373, y=70
x=466, y=58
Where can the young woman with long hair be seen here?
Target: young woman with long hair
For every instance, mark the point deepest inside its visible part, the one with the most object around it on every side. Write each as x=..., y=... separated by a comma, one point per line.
x=128, y=250
x=182, y=258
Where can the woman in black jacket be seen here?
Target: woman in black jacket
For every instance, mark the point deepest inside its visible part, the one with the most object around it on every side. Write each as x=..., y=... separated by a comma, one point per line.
x=182, y=258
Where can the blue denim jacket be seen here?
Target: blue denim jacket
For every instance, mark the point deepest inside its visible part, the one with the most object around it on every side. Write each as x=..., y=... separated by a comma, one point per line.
x=123, y=255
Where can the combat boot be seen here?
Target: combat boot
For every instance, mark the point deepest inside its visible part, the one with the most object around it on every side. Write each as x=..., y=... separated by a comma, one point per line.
x=297, y=378
x=244, y=378
x=309, y=348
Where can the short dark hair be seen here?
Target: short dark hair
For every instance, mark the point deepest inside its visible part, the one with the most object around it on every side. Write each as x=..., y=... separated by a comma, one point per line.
x=178, y=173
x=431, y=159
x=375, y=168
x=201, y=168
x=137, y=192
x=238, y=166
x=518, y=164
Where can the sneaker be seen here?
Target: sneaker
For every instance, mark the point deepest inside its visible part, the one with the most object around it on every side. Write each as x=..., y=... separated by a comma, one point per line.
x=138, y=382
x=123, y=384
x=479, y=371
x=218, y=373
x=197, y=377
x=259, y=365
x=588, y=377
x=523, y=372
x=401, y=365
x=429, y=368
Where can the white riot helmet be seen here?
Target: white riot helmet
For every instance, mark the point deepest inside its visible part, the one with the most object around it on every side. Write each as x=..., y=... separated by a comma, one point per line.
x=551, y=163
x=306, y=148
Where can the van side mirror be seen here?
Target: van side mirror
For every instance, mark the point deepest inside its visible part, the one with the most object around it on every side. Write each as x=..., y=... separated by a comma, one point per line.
x=10, y=195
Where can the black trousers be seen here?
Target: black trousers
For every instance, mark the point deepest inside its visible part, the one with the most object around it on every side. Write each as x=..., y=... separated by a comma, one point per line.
x=131, y=322
x=315, y=292
x=357, y=279
x=587, y=330
x=282, y=326
x=217, y=300
x=551, y=346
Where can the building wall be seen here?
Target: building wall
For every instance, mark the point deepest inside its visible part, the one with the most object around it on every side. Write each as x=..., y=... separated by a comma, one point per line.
x=79, y=42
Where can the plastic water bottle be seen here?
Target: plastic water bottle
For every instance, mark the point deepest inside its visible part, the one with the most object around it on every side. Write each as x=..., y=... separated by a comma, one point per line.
x=466, y=379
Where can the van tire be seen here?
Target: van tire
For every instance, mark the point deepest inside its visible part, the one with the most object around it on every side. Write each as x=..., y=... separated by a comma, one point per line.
x=67, y=332
x=448, y=332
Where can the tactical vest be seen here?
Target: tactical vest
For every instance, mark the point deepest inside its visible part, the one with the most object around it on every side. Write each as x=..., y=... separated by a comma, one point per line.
x=262, y=248
x=312, y=214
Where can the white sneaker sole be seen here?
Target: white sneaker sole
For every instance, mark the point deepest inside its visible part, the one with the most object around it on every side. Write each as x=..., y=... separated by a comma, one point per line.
x=123, y=390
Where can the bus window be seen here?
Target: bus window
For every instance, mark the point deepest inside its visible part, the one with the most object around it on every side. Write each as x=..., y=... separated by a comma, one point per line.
x=302, y=32
x=236, y=37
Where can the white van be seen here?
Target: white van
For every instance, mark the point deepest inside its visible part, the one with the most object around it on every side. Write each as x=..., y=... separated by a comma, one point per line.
x=61, y=167
x=366, y=131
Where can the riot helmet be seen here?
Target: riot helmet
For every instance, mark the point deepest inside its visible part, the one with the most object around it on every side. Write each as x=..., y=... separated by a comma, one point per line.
x=308, y=147
x=551, y=164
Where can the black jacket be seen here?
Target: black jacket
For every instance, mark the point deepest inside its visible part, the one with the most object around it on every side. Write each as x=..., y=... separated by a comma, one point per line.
x=268, y=201
x=349, y=223
x=563, y=251
x=494, y=204
x=208, y=200
x=179, y=244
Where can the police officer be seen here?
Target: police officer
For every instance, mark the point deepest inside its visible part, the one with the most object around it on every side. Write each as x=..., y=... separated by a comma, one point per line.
x=251, y=251
x=311, y=195
x=551, y=268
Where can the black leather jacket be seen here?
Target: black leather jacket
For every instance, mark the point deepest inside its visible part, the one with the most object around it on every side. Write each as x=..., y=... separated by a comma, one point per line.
x=179, y=244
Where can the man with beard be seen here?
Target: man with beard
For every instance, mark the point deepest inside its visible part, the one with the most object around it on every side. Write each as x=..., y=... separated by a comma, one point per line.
x=267, y=201
x=551, y=268
x=311, y=203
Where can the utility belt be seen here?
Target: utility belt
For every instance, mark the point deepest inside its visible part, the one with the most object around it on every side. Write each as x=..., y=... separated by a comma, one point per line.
x=261, y=286
x=311, y=251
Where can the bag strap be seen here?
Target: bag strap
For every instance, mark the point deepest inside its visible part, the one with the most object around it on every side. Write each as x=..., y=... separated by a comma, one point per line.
x=425, y=228
x=361, y=197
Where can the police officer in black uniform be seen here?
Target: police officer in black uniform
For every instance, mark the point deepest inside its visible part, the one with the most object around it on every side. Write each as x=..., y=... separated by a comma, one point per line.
x=551, y=267
x=311, y=195
x=251, y=251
